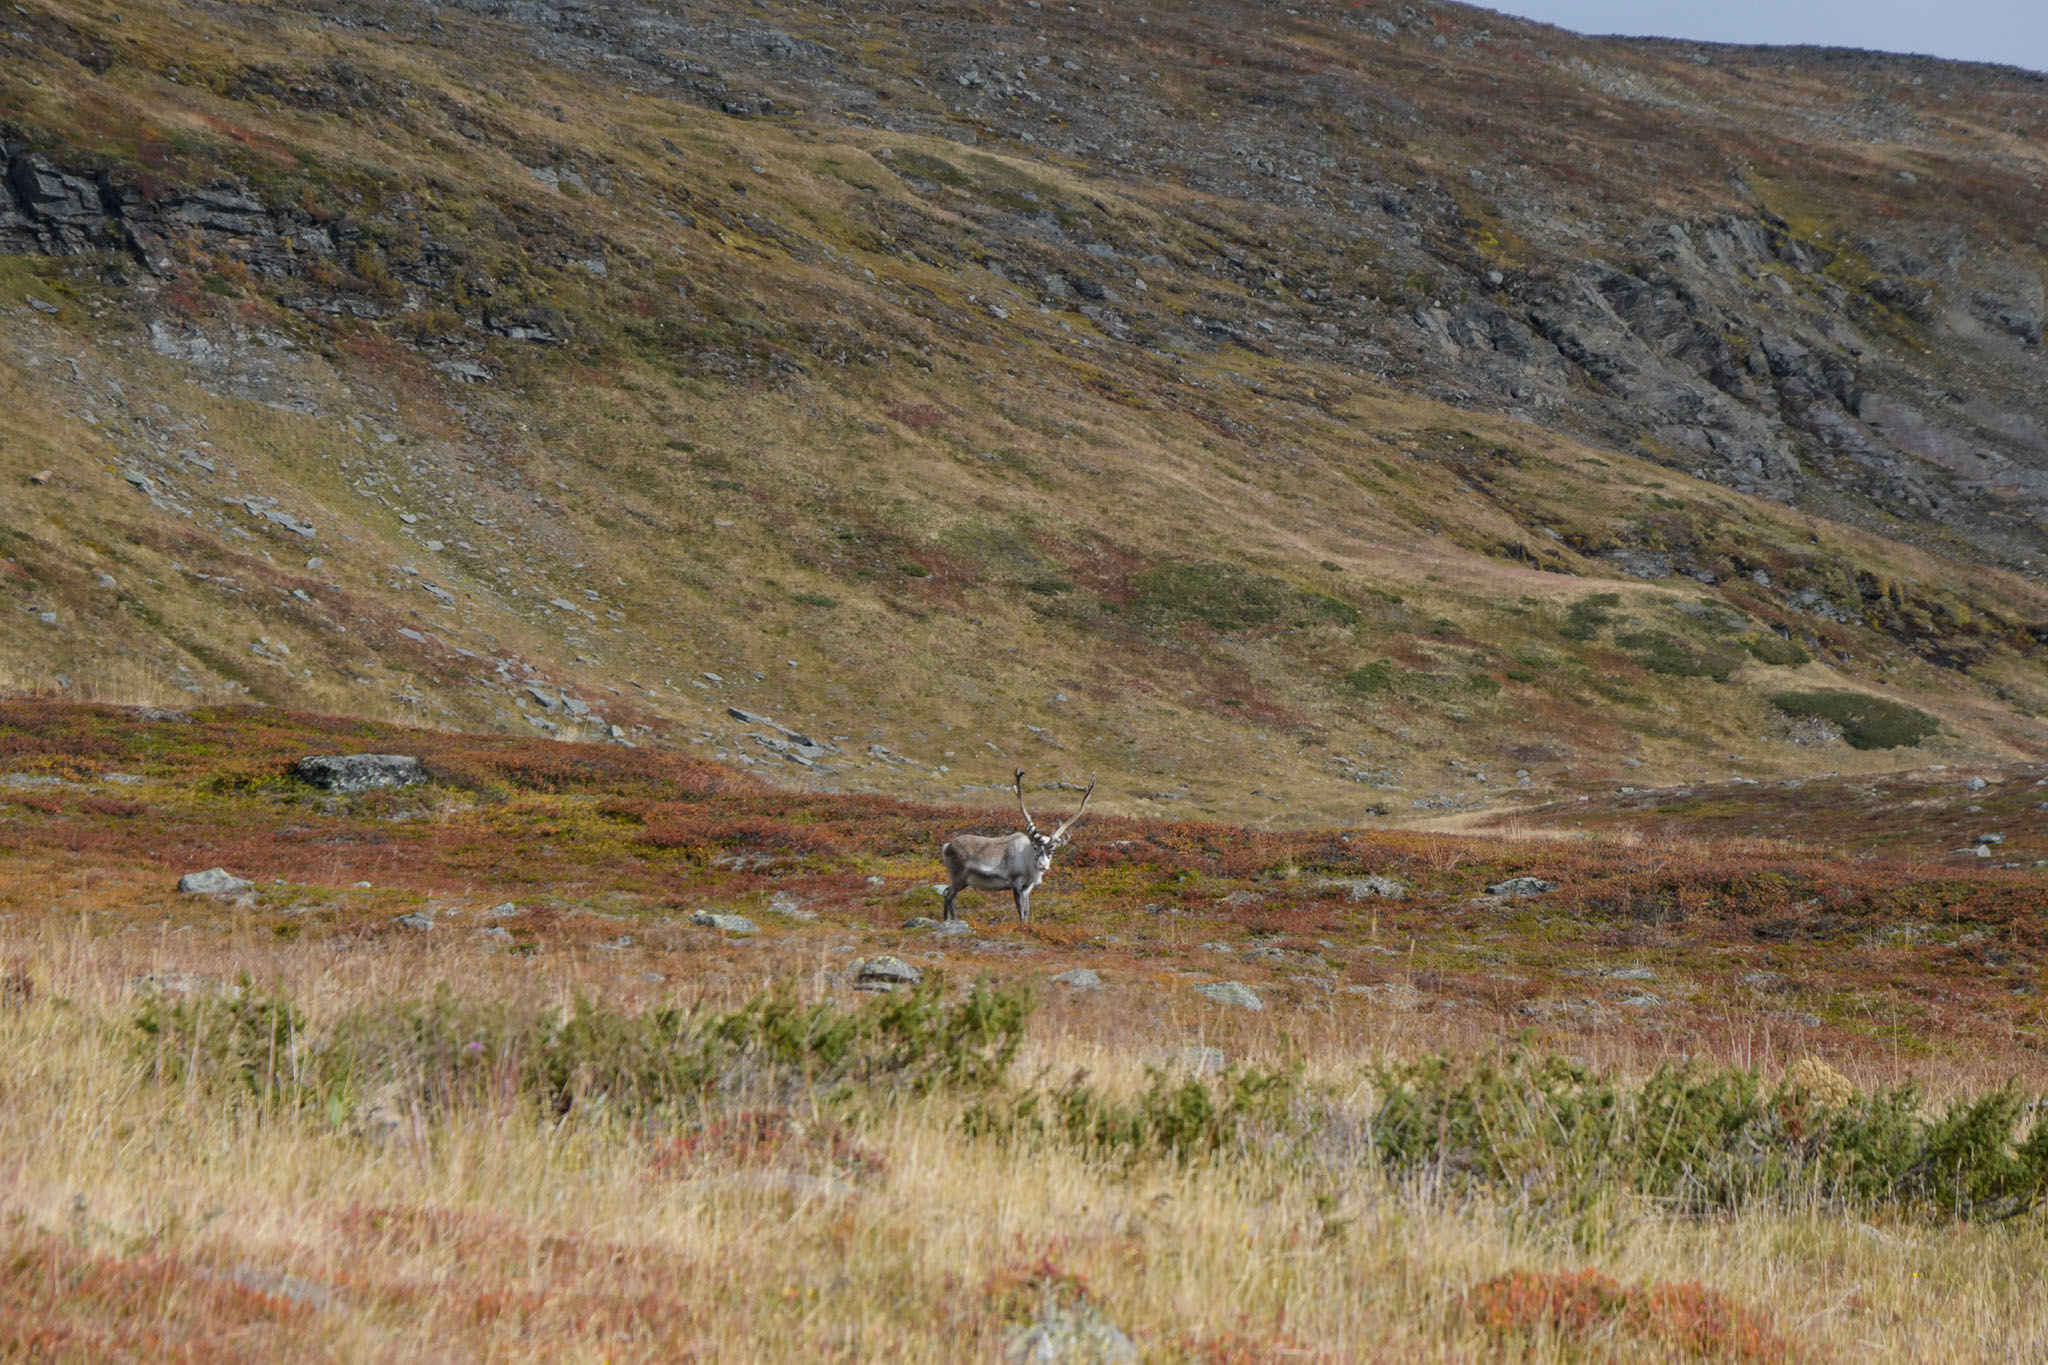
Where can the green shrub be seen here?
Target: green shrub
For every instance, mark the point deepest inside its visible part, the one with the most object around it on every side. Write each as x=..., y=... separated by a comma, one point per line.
x=449, y=1051
x=1705, y=1140
x=1775, y=650
x=1169, y=1120
x=1660, y=653
x=1227, y=597
x=926, y=167
x=1371, y=679
x=1866, y=722
x=1585, y=617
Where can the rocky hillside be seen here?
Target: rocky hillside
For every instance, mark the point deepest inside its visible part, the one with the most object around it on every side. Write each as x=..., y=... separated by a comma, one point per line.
x=1288, y=414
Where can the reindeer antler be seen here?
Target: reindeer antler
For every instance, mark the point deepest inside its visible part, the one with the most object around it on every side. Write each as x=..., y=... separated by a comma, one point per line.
x=1060, y=833
x=1020, y=802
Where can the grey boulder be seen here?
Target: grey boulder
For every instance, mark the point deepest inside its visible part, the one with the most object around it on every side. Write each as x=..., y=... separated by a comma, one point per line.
x=359, y=772
x=885, y=974
x=1193, y=1057
x=730, y=924
x=215, y=881
x=1080, y=979
x=1231, y=993
x=1367, y=888
x=1076, y=1335
x=1521, y=886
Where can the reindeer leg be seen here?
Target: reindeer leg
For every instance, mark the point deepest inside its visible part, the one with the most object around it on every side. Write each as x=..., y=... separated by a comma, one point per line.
x=1023, y=899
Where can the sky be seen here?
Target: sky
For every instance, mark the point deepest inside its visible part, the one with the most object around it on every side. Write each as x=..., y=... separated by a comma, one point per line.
x=2014, y=32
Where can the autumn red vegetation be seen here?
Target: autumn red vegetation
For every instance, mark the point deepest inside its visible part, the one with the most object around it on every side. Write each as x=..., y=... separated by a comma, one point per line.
x=1689, y=1320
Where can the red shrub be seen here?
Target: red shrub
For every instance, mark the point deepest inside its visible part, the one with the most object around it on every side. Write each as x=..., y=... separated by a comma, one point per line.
x=1582, y=1305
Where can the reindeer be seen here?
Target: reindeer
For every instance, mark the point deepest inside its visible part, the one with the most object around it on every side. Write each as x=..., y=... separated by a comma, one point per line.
x=1006, y=862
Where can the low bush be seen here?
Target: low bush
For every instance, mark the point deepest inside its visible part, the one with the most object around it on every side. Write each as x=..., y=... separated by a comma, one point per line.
x=1775, y=650
x=1584, y=1307
x=451, y=1051
x=1706, y=1140
x=1226, y=597
x=1584, y=618
x=1371, y=679
x=1171, y=1119
x=1866, y=722
x=1660, y=653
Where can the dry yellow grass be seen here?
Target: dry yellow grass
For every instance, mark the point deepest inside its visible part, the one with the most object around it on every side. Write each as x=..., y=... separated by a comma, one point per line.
x=507, y=1236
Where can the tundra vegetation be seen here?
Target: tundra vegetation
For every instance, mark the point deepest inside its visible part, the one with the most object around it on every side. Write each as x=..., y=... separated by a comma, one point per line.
x=458, y=1071
x=1269, y=388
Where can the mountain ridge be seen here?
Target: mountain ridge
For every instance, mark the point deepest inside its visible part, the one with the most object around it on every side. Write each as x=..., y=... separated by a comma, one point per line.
x=612, y=367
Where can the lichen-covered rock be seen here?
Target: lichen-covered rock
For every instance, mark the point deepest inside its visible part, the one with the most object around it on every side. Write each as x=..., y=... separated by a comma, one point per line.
x=1069, y=1335
x=1234, y=993
x=214, y=881
x=885, y=974
x=359, y=772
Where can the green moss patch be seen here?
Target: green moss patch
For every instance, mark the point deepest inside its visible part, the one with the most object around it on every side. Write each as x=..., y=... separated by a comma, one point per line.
x=1866, y=722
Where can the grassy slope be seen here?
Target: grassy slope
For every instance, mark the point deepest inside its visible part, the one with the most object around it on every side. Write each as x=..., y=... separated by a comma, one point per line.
x=149, y=1217
x=790, y=446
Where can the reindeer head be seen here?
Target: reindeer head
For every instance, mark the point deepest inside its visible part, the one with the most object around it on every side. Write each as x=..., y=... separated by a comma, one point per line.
x=1048, y=844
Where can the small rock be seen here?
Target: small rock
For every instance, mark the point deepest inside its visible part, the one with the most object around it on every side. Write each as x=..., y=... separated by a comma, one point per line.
x=358, y=772
x=496, y=934
x=1080, y=979
x=731, y=924
x=1646, y=1000
x=506, y=910
x=1976, y=784
x=922, y=922
x=175, y=983
x=1076, y=1335
x=1990, y=839
x=1631, y=974
x=414, y=920
x=1231, y=993
x=886, y=974
x=782, y=903
x=1202, y=1061
x=1366, y=888
x=1521, y=886
x=952, y=928
x=215, y=881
